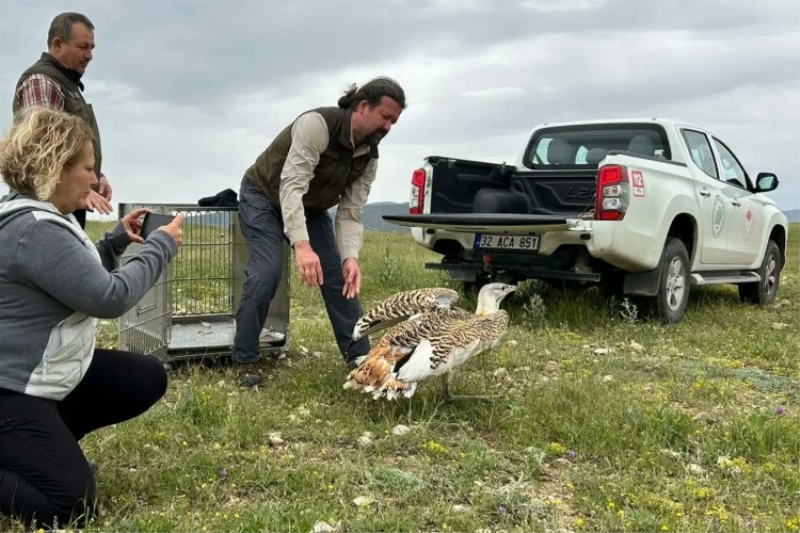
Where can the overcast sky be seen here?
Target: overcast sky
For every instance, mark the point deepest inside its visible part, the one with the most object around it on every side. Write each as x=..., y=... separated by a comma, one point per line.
x=188, y=93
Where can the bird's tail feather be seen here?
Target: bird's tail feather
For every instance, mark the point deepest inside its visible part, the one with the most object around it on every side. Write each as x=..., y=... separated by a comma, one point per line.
x=372, y=373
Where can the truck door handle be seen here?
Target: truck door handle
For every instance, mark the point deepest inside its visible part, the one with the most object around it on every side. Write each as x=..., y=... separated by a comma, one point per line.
x=736, y=203
x=704, y=192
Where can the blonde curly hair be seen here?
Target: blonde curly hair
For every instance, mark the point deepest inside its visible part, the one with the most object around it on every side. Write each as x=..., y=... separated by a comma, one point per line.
x=38, y=147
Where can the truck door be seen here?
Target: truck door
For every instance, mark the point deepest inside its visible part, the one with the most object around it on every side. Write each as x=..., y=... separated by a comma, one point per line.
x=745, y=231
x=714, y=205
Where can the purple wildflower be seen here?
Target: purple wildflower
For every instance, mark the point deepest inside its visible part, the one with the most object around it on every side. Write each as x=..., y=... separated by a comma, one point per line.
x=223, y=472
x=779, y=410
x=571, y=455
x=502, y=510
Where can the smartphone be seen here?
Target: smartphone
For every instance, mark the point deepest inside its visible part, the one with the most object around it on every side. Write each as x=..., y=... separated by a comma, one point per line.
x=153, y=221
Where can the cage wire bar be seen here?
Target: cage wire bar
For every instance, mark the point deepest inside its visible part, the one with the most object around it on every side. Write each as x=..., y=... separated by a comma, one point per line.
x=190, y=311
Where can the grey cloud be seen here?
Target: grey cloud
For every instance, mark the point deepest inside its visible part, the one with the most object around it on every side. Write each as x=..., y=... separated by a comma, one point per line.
x=587, y=78
x=201, y=53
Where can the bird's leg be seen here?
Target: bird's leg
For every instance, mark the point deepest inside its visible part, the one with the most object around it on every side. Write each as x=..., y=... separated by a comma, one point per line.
x=447, y=378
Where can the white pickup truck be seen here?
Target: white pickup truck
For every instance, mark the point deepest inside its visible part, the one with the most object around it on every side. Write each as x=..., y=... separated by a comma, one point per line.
x=645, y=207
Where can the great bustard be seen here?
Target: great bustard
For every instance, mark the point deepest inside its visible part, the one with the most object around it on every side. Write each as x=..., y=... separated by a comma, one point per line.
x=428, y=337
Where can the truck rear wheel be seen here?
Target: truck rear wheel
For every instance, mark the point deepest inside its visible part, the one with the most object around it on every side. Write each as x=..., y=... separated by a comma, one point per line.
x=673, y=283
x=764, y=291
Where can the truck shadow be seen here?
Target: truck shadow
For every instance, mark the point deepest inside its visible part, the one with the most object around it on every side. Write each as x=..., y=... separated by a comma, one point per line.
x=537, y=304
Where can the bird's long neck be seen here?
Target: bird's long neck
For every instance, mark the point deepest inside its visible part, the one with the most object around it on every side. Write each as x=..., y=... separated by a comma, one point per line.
x=486, y=305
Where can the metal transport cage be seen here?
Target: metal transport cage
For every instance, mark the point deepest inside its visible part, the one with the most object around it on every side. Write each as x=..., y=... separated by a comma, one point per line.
x=190, y=311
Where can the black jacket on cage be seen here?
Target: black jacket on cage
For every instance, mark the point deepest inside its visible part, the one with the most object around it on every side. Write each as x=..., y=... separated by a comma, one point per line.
x=226, y=198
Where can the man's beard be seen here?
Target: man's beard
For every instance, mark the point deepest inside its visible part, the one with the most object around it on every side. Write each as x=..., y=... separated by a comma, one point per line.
x=372, y=139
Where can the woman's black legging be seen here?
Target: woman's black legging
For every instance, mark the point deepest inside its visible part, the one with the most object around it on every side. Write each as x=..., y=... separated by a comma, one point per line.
x=44, y=475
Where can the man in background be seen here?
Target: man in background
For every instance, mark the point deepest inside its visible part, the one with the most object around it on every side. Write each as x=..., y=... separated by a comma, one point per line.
x=54, y=81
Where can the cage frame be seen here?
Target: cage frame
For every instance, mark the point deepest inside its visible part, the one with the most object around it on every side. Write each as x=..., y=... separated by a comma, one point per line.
x=150, y=326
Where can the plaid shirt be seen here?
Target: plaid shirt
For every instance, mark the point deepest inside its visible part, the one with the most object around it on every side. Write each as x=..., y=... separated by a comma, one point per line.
x=40, y=90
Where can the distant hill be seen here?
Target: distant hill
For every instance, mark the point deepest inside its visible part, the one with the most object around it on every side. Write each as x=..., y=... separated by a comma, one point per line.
x=793, y=215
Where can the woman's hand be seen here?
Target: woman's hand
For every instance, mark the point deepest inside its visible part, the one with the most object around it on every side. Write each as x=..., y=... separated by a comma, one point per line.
x=96, y=202
x=133, y=224
x=174, y=229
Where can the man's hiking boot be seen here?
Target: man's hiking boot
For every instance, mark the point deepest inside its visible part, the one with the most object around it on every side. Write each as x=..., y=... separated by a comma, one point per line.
x=249, y=375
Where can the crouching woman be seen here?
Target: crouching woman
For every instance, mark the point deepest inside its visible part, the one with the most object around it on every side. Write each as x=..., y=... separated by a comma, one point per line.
x=55, y=386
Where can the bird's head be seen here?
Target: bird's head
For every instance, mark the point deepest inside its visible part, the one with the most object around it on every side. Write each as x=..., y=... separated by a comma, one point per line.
x=491, y=295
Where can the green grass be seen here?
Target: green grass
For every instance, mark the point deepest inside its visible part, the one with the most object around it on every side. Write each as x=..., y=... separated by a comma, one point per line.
x=602, y=422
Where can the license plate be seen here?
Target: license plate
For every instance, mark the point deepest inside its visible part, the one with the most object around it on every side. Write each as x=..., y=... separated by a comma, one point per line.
x=507, y=242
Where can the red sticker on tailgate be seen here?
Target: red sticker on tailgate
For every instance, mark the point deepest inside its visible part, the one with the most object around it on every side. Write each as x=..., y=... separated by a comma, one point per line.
x=638, y=182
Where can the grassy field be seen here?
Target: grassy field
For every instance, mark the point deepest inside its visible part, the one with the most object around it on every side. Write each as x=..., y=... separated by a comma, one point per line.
x=601, y=422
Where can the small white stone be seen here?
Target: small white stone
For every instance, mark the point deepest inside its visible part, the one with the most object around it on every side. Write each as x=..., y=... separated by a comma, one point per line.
x=695, y=470
x=323, y=527
x=400, y=430
x=275, y=438
x=670, y=453
x=361, y=501
x=365, y=439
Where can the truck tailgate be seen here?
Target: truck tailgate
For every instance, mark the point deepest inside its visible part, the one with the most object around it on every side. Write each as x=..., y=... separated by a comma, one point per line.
x=504, y=224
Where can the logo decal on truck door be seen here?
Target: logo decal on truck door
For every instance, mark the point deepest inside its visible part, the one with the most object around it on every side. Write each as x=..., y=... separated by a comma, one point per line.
x=717, y=217
x=638, y=182
x=747, y=230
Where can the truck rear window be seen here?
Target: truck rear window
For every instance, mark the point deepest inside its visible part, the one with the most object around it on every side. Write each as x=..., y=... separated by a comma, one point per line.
x=584, y=146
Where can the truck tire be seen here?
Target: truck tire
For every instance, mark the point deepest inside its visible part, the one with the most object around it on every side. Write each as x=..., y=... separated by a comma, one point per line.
x=672, y=296
x=764, y=291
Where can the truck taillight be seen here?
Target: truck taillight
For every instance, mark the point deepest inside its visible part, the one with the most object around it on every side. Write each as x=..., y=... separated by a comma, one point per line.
x=612, y=197
x=417, y=202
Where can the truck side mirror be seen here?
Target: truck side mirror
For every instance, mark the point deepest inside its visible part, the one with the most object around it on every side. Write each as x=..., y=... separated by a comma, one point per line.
x=766, y=181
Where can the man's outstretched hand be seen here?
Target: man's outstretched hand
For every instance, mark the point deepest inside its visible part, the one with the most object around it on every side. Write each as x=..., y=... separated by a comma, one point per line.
x=352, y=278
x=308, y=265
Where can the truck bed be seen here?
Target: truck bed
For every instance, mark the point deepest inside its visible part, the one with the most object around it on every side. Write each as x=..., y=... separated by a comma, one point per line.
x=464, y=186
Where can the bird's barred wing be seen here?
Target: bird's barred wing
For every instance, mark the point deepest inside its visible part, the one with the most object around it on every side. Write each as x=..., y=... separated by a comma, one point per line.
x=463, y=339
x=402, y=306
x=411, y=332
